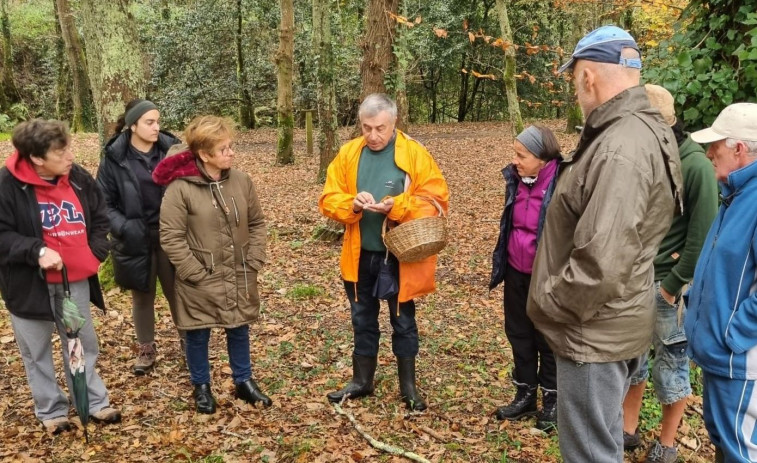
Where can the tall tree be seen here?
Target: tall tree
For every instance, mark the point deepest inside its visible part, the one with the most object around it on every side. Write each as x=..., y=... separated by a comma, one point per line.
x=402, y=55
x=10, y=93
x=285, y=64
x=82, y=118
x=511, y=89
x=574, y=117
x=246, y=108
x=377, y=43
x=328, y=136
x=117, y=70
x=62, y=98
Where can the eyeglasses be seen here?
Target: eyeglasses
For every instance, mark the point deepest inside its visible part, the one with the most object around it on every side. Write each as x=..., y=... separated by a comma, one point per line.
x=60, y=152
x=226, y=151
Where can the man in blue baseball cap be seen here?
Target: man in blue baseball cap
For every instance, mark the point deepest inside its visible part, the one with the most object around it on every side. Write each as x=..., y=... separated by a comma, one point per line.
x=592, y=288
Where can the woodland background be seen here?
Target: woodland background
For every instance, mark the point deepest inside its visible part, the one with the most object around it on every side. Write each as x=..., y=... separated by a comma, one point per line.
x=467, y=74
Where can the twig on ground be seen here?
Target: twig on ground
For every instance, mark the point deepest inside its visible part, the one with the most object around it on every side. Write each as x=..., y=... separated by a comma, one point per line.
x=376, y=443
x=432, y=433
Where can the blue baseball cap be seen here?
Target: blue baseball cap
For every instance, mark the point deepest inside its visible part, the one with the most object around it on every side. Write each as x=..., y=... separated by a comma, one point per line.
x=605, y=45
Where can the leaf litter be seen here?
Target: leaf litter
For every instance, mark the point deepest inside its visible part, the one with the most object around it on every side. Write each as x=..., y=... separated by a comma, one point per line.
x=301, y=346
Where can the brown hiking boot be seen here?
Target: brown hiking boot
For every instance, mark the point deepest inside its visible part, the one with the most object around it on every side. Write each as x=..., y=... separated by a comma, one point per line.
x=145, y=358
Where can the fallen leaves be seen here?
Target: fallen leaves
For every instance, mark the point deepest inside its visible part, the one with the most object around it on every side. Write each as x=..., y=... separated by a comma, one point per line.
x=301, y=346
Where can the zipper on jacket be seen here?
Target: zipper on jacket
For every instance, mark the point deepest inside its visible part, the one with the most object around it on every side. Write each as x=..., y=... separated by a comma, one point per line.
x=236, y=211
x=707, y=262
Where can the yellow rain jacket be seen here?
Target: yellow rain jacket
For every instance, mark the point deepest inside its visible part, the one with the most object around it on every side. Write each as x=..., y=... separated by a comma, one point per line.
x=425, y=181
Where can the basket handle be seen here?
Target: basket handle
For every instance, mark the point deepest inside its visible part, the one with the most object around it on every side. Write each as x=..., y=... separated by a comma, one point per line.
x=427, y=198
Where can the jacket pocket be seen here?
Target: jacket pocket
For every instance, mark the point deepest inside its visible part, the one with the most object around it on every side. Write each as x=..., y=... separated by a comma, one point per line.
x=133, y=236
x=205, y=257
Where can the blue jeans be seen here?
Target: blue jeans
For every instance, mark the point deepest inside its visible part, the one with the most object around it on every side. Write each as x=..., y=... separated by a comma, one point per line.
x=365, y=311
x=237, y=345
x=670, y=370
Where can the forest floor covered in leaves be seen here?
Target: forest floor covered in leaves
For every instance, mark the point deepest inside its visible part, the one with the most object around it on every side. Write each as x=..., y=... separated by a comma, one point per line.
x=302, y=344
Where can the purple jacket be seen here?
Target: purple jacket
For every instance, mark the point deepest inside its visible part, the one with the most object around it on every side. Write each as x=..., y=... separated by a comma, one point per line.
x=516, y=191
x=524, y=228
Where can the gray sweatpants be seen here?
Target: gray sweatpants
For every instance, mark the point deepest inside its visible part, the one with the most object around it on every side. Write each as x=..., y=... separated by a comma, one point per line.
x=590, y=409
x=35, y=343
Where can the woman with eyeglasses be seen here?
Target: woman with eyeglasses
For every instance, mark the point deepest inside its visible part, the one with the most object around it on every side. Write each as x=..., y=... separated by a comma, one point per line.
x=133, y=200
x=212, y=229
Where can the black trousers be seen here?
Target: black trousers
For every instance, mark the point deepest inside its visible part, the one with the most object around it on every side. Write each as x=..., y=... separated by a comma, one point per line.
x=534, y=360
x=365, y=312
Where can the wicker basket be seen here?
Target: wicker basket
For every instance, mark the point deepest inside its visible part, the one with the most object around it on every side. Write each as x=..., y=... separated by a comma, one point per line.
x=417, y=239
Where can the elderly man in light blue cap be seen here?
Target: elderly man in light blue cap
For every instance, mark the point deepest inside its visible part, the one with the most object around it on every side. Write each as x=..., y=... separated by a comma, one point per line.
x=592, y=288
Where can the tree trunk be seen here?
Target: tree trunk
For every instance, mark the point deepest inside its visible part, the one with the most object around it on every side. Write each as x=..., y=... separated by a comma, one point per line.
x=510, y=86
x=246, y=108
x=328, y=135
x=82, y=119
x=62, y=98
x=574, y=116
x=117, y=69
x=377, y=47
x=285, y=63
x=10, y=93
x=462, y=100
x=402, y=56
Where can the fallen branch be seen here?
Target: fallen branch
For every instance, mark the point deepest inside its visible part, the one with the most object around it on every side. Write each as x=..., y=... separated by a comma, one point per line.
x=378, y=444
x=432, y=433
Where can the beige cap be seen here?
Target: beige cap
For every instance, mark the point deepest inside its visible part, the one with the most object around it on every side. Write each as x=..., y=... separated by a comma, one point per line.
x=737, y=121
x=661, y=99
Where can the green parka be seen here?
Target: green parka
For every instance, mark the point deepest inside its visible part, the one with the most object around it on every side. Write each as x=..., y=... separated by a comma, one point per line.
x=214, y=233
x=592, y=288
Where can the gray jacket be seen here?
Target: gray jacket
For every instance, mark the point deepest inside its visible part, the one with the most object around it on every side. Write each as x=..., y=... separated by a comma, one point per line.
x=592, y=288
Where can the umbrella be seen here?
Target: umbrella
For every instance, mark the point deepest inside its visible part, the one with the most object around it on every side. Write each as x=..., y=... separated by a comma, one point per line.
x=73, y=322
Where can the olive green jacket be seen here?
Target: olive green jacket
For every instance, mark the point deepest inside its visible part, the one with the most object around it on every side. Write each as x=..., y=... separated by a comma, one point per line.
x=214, y=233
x=592, y=289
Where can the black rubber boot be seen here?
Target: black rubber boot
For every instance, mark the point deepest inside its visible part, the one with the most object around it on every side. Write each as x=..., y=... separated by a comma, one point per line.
x=251, y=393
x=204, y=401
x=546, y=420
x=523, y=405
x=363, y=370
x=410, y=395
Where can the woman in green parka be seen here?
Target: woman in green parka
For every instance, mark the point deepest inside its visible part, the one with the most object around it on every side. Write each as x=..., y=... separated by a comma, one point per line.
x=213, y=231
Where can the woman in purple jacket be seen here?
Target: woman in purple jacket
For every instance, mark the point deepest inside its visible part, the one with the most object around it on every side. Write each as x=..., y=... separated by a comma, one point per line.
x=529, y=182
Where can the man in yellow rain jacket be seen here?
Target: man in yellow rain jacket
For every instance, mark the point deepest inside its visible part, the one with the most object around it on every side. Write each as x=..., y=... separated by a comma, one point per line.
x=383, y=173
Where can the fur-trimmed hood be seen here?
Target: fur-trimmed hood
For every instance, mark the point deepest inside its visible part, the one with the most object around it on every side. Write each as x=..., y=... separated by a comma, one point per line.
x=180, y=165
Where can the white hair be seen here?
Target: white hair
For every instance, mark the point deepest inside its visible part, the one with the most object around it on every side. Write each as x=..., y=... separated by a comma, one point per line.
x=751, y=146
x=376, y=103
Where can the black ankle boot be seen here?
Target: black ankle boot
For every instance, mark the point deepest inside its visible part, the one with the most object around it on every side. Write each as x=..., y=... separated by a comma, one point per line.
x=251, y=393
x=523, y=405
x=204, y=401
x=410, y=395
x=546, y=420
x=363, y=370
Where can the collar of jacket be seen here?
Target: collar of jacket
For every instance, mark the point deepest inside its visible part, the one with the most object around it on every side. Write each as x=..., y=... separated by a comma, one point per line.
x=738, y=179
x=118, y=145
x=623, y=104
